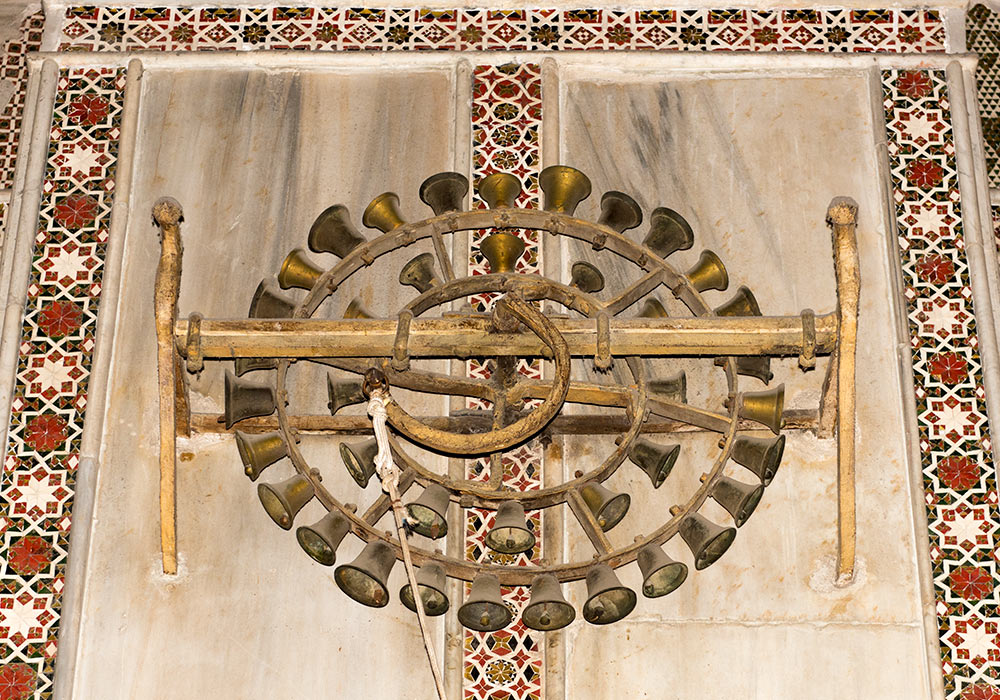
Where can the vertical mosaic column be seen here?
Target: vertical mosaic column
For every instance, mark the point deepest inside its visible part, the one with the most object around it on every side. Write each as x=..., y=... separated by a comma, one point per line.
x=506, y=120
x=50, y=392
x=14, y=69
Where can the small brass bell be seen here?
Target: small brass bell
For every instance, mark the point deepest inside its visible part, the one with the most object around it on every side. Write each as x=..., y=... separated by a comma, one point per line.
x=359, y=459
x=365, y=578
x=762, y=456
x=383, y=213
x=607, y=599
x=431, y=583
x=321, y=539
x=673, y=387
x=298, y=271
x=444, y=192
x=268, y=302
x=510, y=533
x=764, y=407
x=607, y=507
x=660, y=574
x=586, y=277
x=668, y=232
x=247, y=400
x=500, y=190
x=564, y=188
x=333, y=232
x=242, y=365
x=356, y=309
x=343, y=393
x=258, y=452
x=619, y=211
x=419, y=273
x=738, y=498
x=428, y=515
x=653, y=308
x=706, y=540
x=708, y=273
x=547, y=609
x=756, y=367
x=743, y=303
x=502, y=251
x=484, y=610
x=655, y=460
x=284, y=500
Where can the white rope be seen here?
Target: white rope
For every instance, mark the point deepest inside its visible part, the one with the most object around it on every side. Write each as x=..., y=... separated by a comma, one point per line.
x=389, y=474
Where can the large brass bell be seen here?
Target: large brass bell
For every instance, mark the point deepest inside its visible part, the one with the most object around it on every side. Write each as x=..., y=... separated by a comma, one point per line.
x=607, y=599
x=365, y=578
x=333, y=232
x=673, y=387
x=484, y=610
x=500, y=190
x=284, y=500
x=660, y=574
x=342, y=393
x=268, y=302
x=764, y=407
x=708, y=273
x=258, y=452
x=444, y=192
x=431, y=582
x=668, y=232
x=501, y=251
x=743, y=303
x=655, y=460
x=298, y=270
x=547, y=609
x=738, y=498
x=359, y=459
x=321, y=539
x=428, y=515
x=652, y=307
x=585, y=277
x=356, y=309
x=383, y=213
x=510, y=533
x=619, y=211
x=419, y=273
x=706, y=540
x=762, y=456
x=564, y=188
x=607, y=507
x=245, y=399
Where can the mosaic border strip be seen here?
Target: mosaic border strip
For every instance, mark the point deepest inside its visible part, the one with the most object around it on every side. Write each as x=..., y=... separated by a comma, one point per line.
x=50, y=392
x=982, y=35
x=14, y=68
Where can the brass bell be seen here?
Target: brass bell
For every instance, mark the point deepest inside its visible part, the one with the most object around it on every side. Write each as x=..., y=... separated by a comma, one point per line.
x=706, y=540
x=284, y=500
x=268, y=302
x=298, y=271
x=652, y=307
x=484, y=609
x=247, y=400
x=547, y=609
x=607, y=507
x=333, y=232
x=708, y=273
x=607, y=599
x=359, y=459
x=343, y=393
x=356, y=309
x=673, y=387
x=444, y=192
x=738, y=498
x=502, y=251
x=757, y=367
x=419, y=273
x=500, y=190
x=762, y=456
x=510, y=533
x=428, y=515
x=660, y=574
x=383, y=213
x=764, y=407
x=743, y=303
x=668, y=232
x=655, y=460
x=431, y=582
x=258, y=452
x=365, y=578
x=586, y=277
x=564, y=188
x=242, y=365
x=321, y=539
x=619, y=211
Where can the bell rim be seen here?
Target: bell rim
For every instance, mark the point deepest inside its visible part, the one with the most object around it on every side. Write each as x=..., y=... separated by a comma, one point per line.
x=408, y=601
x=666, y=466
x=632, y=601
x=729, y=534
x=773, y=461
x=527, y=615
x=749, y=505
x=273, y=493
x=310, y=530
x=619, y=498
x=377, y=201
x=677, y=219
x=629, y=202
x=508, y=616
x=503, y=550
x=338, y=575
x=317, y=222
x=353, y=465
x=681, y=577
x=420, y=529
x=441, y=177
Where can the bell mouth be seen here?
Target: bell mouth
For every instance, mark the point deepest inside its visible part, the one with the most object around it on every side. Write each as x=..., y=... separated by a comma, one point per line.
x=666, y=466
x=274, y=506
x=715, y=548
x=435, y=602
x=510, y=540
x=484, y=617
x=749, y=506
x=315, y=546
x=664, y=580
x=361, y=587
x=353, y=465
x=609, y=606
x=244, y=450
x=546, y=617
x=613, y=511
x=427, y=522
x=773, y=459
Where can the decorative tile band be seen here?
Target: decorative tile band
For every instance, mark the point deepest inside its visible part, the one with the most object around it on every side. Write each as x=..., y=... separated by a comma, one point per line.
x=389, y=29
x=50, y=392
x=982, y=36
x=14, y=68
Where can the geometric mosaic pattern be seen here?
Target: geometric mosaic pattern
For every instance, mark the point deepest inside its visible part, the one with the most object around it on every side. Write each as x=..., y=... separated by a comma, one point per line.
x=50, y=393
x=982, y=32
x=14, y=68
x=960, y=480
x=477, y=29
